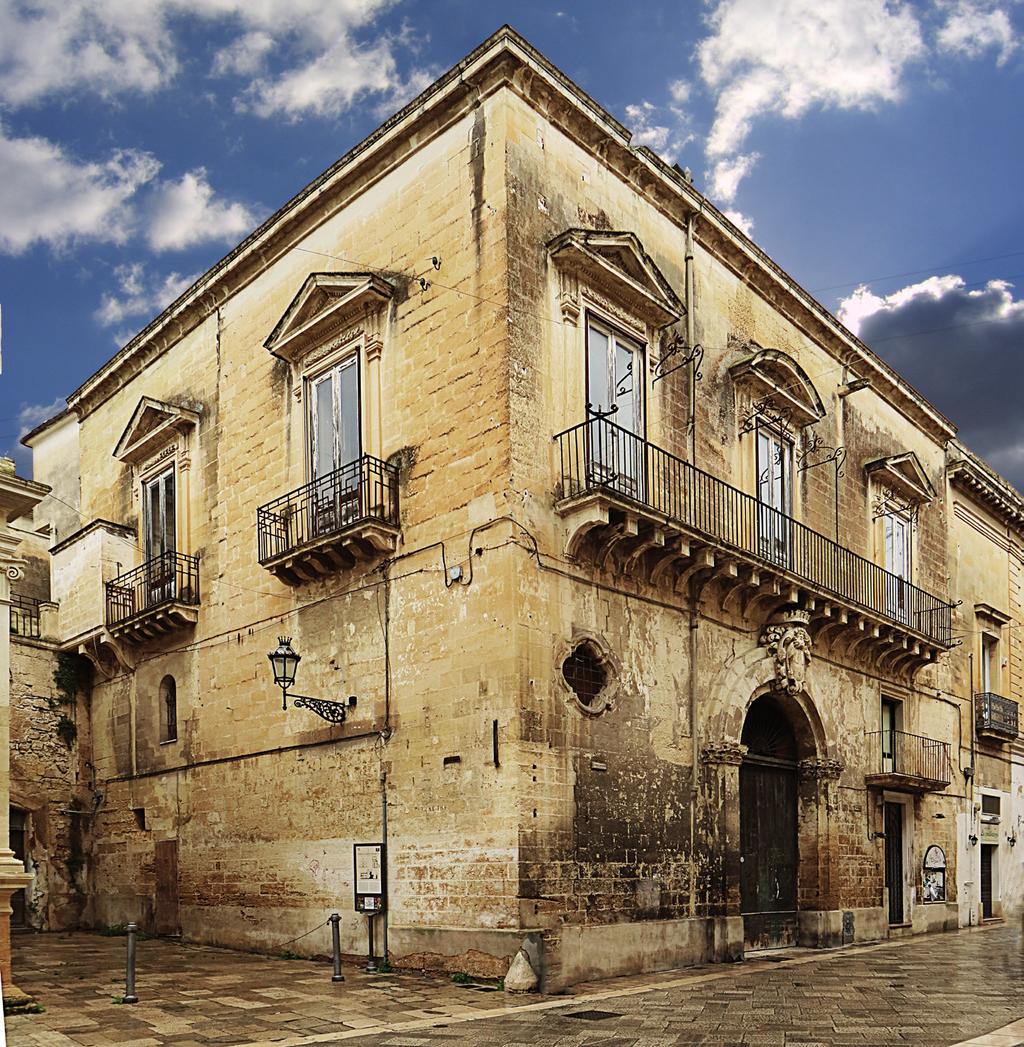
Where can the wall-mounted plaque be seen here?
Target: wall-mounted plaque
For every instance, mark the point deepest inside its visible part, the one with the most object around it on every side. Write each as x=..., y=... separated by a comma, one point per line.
x=369, y=875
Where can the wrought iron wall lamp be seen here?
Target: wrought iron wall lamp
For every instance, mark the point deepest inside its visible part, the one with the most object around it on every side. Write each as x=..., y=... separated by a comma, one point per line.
x=285, y=662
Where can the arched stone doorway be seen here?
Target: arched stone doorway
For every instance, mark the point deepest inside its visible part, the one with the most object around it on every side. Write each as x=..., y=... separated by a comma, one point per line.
x=770, y=816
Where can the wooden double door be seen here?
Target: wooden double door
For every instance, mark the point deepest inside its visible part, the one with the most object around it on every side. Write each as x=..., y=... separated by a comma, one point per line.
x=768, y=854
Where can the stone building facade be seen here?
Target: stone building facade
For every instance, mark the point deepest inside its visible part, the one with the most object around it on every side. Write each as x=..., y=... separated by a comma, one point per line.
x=634, y=572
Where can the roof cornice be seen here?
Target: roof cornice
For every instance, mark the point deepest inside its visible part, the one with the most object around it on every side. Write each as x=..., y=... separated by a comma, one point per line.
x=976, y=479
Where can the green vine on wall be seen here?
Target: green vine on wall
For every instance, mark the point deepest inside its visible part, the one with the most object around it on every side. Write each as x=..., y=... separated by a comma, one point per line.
x=70, y=676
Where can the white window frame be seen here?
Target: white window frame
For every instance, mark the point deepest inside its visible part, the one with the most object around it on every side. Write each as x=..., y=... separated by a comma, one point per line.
x=157, y=479
x=898, y=557
x=351, y=358
x=618, y=338
x=989, y=664
x=774, y=455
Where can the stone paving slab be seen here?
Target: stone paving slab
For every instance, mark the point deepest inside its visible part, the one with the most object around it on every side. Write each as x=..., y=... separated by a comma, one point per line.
x=196, y=996
x=934, y=991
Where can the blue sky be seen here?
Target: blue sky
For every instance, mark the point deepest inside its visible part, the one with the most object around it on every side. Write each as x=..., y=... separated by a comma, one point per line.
x=873, y=148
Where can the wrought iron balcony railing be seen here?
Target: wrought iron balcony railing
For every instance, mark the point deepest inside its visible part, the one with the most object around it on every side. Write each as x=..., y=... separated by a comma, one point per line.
x=996, y=715
x=598, y=455
x=25, y=616
x=366, y=489
x=895, y=757
x=166, y=579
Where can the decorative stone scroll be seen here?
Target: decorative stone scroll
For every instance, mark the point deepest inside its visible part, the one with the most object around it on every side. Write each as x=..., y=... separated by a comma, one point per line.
x=789, y=644
x=728, y=753
x=820, y=770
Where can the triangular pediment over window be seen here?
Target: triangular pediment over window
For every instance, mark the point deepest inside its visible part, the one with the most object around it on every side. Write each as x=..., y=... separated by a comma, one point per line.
x=326, y=303
x=617, y=264
x=904, y=475
x=774, y=375
x=154, y=424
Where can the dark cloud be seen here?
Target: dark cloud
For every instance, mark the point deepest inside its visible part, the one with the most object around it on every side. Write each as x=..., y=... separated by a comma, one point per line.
x=963, y=349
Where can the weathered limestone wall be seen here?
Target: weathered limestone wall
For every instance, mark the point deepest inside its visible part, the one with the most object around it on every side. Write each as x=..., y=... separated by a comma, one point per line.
x=263, y=805
x=984, y=561
x=46, y=785
x=628, y=842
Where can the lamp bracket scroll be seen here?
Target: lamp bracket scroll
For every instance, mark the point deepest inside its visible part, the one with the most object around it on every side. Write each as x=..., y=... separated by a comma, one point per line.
x=326, y=710
x=285, y=661
x=816, y=452
x=676, y=354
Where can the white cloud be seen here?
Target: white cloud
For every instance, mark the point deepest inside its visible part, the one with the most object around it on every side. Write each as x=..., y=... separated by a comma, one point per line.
x=645, y=130
x=742, y=221
x=789, y=56
x=727, y=174
x=297, y=56
x=52, y=198
x=244, y=56
x=680, y=91
x=665, y=130
x=328, y=84
x=972, y=28
x=139, y=294
x=31, y=415
x=963, y=347
x=106, y=46
x=185, y=213
x=864, y=303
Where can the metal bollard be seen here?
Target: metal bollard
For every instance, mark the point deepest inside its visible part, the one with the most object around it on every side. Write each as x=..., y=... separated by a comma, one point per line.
x=336, y=947
x=371, y=962
x=129, y=974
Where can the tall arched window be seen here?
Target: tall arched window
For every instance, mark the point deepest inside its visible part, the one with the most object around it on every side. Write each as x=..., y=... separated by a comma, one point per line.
x=168, y=709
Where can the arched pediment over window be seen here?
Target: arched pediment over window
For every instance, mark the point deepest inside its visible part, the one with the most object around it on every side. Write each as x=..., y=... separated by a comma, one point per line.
x=773, y=374
x=616, y=264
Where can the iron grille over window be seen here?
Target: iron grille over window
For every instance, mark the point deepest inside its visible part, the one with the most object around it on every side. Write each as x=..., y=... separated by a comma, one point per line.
x=585, y=673
x=600, y=455
x=996, y=715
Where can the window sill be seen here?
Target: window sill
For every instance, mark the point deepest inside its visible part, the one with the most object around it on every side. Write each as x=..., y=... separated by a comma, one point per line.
x=170, y=741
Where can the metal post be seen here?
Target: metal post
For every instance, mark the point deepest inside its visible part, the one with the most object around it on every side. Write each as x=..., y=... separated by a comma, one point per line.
x=336, y=947
x=371, y=963
x=129, y=974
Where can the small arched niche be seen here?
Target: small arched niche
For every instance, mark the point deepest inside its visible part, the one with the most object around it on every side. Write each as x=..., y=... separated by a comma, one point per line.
x=168, y=708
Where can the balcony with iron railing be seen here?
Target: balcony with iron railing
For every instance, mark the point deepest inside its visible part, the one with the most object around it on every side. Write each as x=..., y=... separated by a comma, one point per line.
x=907, y=762
x=330, y=523
x=155, y=598
x=25, y=616
x=995, y=717
x=630, y=503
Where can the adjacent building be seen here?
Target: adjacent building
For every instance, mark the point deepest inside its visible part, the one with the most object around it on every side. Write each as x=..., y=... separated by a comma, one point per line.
x=660, y=618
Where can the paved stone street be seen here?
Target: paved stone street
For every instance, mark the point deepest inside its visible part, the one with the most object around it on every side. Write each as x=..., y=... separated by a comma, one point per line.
x=931, y=991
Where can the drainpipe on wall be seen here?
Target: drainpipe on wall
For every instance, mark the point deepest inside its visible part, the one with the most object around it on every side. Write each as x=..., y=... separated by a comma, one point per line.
x=970, y=784
x=694, y=619
x=384, y=860
x=695, y=755
x=688, y=279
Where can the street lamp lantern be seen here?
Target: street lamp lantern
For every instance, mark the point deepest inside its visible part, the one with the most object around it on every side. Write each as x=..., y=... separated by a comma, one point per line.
x=285, y=662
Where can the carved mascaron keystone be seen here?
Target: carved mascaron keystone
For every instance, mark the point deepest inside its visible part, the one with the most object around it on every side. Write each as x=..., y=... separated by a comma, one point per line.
x=789, y=644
